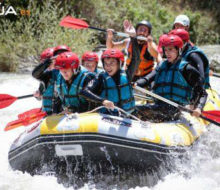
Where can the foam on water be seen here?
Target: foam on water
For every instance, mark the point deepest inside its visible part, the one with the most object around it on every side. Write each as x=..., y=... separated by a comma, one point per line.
x=200, y=169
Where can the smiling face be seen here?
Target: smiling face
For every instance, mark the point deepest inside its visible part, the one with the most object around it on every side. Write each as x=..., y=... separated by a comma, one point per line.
x=142, y=31
x=90, y=65
x=67, y=73
x=171, y=53
x=111, y=66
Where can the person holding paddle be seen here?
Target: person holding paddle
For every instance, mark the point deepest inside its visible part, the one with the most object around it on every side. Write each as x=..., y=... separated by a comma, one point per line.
x=143, y=44
x=72, y=78
x=176, y=80
x=46, y=73
x=112, y=87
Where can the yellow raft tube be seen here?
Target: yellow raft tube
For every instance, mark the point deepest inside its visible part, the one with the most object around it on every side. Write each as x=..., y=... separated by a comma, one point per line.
x=103, y=139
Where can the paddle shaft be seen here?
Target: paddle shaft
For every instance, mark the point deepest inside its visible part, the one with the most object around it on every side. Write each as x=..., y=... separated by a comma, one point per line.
x=216, y=75
x=103, y=30
x=99, y=29
x=26, y=96
x=80, y=24
x=182, y=108
x=143, y=97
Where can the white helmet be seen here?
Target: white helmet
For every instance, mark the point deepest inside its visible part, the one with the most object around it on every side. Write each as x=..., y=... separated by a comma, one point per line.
x=182, y=19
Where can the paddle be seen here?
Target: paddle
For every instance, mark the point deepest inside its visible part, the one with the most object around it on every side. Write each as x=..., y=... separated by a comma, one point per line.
x=6, y=100
x=212, y=114
x=143, y=97
x=26, y=118
x=216, y=75
x=215, y=119
x=75, y=23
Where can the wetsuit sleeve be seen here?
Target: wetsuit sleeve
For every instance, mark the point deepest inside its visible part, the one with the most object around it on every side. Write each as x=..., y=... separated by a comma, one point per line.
x=194, y=79
x=88, y=78
x=147, y=80
x=93, y=90
x=41, y=88
x=40, y=72
x=135, y=61
x=197, y=61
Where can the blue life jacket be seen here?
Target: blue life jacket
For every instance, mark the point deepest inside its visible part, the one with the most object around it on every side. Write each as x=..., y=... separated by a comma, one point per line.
x=170, y=84
x=195, y=49
x=70, y=96
x=49, y=94
x=122, y=95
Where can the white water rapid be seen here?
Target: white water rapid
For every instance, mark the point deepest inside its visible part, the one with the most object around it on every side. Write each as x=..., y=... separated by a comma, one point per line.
x=201, y=171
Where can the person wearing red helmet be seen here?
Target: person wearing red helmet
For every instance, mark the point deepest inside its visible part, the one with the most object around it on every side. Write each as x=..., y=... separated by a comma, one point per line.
x=159, y=47
x=112, y=87
x=47, y=53
x=71, y=80
x=90, y=62
x=142, y=45
x=194, y=55
x=175, y=80
x=60, y=49
x=47, y=75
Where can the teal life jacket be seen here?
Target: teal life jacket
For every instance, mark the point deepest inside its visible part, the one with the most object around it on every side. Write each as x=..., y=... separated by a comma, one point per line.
x=49, y=94
x=122, y=95
x=170, y=84
x=70, y=95
x=195, y=49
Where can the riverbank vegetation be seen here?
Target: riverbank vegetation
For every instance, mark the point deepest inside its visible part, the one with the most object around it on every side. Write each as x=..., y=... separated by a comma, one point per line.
x=22, y=38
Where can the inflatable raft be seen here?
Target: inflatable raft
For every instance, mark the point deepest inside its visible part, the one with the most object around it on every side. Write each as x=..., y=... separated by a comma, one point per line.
x=64, y=142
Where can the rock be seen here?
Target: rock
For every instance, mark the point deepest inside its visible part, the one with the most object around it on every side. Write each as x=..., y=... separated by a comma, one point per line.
x=27, y=64
x=215, y=62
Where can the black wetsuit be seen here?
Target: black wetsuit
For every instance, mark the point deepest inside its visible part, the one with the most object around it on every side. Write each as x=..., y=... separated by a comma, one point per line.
x=95, y=87
x=135, y=60
x=195, y=60
x=44, y=76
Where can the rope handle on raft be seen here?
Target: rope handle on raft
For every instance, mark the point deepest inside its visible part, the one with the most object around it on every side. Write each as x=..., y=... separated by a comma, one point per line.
x=119, y=110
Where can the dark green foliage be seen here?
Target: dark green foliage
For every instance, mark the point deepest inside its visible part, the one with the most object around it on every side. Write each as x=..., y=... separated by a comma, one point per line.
x=24, y=36
x=28, y=36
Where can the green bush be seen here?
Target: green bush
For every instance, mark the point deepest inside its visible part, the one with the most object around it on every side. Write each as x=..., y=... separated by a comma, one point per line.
x=23, y=37
x=29, y=36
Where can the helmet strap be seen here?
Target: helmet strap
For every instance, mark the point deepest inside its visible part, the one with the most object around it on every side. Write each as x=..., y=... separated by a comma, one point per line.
x=75, y=71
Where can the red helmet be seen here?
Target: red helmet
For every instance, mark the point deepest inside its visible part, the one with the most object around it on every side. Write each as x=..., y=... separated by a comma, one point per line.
x=183, y=34
x=172, y=40
x=161, y=39
x=60, y=49
x=113, y=53
x=90, y=56
x=47, y=53
x=67, y=60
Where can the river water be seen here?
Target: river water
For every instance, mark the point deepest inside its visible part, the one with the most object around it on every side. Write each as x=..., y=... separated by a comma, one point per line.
x=199, y=170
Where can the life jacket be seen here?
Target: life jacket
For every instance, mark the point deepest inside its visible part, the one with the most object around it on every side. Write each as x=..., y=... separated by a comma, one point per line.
x=170, y=84
x=147, y=61
x=70, y=96
x=122, y=95
x=195, y=49
x=49, y=94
